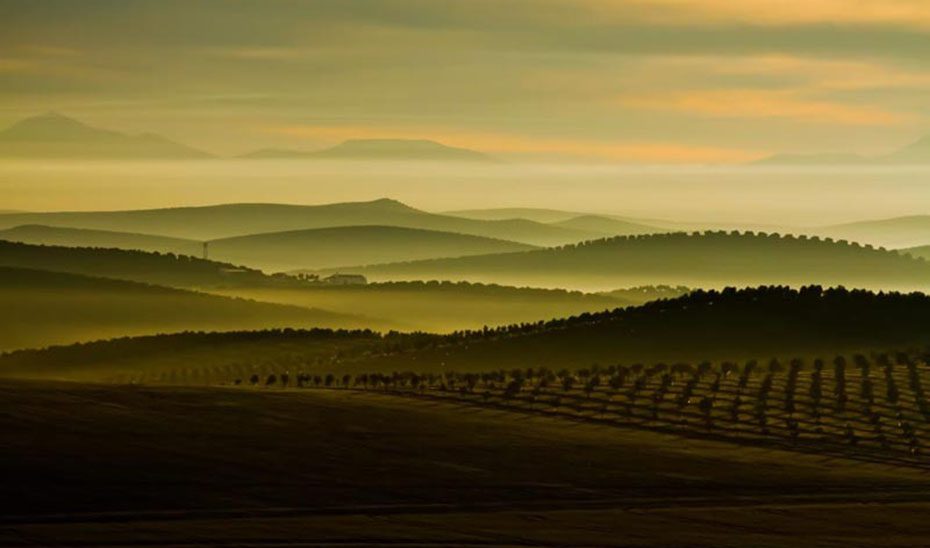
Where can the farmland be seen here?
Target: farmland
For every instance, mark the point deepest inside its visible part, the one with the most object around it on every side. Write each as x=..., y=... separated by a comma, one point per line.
x=119, y=465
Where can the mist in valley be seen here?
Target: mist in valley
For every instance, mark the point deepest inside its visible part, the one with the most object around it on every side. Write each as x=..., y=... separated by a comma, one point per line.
x=749, y=196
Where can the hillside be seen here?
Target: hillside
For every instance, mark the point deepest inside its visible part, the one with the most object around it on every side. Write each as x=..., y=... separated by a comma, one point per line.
x=540, y=215
x=703, y=325
x=921, y=251
x=378, y=150
x=443, y=307
x=82, y=237
x=52, y=135
x=331, y=247
x=897, y=232
x=710, y=259
x=559, y=216
x=756, y=323
x=140, y=266
x=43, y=308
x=608, y=225
x=224, y=467
x=644, y=294
x=230, y=220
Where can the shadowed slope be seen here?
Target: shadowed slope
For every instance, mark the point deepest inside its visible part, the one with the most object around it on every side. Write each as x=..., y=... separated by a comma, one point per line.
x=140, y=266
x=82, y=237
x=126, y=466
x=43, y=308
x=750, y=323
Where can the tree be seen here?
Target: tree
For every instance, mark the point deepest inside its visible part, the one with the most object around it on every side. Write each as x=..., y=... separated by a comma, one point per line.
x=706, y=407
x=513, y=388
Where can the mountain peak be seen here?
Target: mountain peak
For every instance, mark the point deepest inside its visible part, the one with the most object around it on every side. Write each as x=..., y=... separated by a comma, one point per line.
x=53, y=134
x=917, y=152
x=391, y=203
x=52, y=126
x=400, y=149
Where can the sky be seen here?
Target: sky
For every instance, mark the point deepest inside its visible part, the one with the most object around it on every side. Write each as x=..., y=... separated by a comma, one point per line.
x=625, y=81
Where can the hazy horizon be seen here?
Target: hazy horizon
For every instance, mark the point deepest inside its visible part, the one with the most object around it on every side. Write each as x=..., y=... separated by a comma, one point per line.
x=740, y=195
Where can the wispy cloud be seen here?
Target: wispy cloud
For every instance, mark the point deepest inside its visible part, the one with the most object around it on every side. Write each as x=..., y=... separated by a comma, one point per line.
x=910, y=13
x=764, y=104
x=49, y=51
x=271, y=53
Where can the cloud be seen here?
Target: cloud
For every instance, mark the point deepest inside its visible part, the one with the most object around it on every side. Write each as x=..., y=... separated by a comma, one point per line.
x=49, y=51
x=819, y=74
x=14, y=65
x=907, y=13
x=764, y=104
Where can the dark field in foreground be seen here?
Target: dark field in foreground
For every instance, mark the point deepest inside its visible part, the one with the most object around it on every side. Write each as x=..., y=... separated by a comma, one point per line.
x=105, y=465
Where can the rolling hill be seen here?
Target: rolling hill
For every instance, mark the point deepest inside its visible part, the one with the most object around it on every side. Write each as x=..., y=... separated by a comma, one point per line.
x=897, y=232
x=224, y=221
x=710, y=259
x=42, y=308
x=921, y=251
x=52, y=135
x=558, y=216
x=761, y=323
x=331, y=247
x=540, y=215
x=83, y=237
x=758, y=323
x=608, y=225
x=378, y=150
x=140, y=266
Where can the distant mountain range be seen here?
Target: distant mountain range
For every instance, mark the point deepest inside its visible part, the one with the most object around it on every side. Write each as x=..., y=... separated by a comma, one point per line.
x=915, y=153
x=53, y=135
x=378, y=149
x=57, y=136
